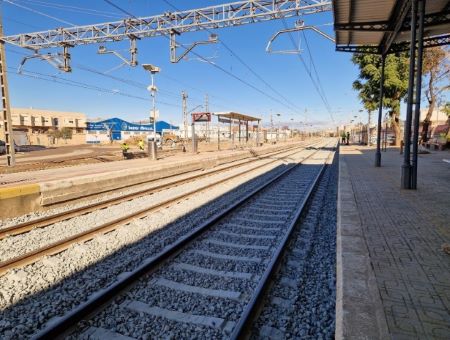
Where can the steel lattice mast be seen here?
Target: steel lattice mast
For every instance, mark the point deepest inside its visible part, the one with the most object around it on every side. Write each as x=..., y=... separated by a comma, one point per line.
x=213, y=17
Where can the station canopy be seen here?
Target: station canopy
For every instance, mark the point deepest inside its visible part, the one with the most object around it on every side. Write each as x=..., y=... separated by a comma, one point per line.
x=236, y=116
x=383, y=26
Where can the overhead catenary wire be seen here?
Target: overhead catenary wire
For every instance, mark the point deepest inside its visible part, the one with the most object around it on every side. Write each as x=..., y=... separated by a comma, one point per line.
x=316, y=86
x=21, y=23
x=314, y=67
x=85, y=68
x=199, y=56
x=248, y=67
x=212, y=64
x=75, y=9
x=119, y=8
x=38, y=12
x=129, y=82
x=188, y=86
x=65, y=81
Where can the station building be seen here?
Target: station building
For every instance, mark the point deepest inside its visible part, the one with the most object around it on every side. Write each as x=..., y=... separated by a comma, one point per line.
x=34, y=126
x=116, y=129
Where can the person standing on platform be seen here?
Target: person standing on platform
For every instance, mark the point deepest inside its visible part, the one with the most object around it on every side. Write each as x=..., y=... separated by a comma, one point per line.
x=343, y=137
x=348, y=138
x=125, y=149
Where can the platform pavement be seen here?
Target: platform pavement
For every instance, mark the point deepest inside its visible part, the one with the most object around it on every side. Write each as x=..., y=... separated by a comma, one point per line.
x=393, y=278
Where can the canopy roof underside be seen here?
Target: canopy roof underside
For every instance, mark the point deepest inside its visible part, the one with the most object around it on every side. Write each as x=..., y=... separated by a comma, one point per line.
x=383, y=26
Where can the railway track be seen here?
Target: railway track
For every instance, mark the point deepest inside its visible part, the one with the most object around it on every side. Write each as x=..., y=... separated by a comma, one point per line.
x=65, y=215
x=212, y=281
x=301, y=300
x=61, y=245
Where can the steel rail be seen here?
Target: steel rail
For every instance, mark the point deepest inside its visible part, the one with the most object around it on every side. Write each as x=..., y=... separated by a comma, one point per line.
x=244, y=325
x=65, y=215
x=59, y=246
x=68, y=321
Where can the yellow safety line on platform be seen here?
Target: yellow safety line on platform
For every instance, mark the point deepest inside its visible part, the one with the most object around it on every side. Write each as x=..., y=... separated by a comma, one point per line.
x=21, y=190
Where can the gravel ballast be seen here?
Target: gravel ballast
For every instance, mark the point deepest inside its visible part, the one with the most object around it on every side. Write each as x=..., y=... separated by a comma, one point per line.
x=301, y=303
x=189, y=292
x=40, y=237
x=31, y=296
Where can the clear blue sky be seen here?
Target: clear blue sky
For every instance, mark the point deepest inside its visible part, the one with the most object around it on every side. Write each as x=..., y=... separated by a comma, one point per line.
x=285, y=73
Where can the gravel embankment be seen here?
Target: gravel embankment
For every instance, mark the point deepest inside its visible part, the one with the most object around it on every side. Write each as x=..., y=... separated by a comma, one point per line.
x=301, y=303
x=208, y=253
x=31, y=296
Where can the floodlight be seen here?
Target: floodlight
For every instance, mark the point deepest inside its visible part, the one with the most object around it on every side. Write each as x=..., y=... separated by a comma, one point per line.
x=101, y=50
x=213, y=37
x=151, y=68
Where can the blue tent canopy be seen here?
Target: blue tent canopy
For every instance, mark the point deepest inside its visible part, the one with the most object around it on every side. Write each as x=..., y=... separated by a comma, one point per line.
x=117, y=125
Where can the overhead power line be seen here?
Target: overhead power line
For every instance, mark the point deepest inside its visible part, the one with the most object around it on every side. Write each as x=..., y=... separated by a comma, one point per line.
x=308, y=71
x=214, y=64
x=73, y=83
x=74, y=9
x=120, y=8
x=129, y=82
x=39, y=12
x=234, y=54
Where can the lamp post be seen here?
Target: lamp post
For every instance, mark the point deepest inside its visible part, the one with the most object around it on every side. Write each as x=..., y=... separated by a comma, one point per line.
x=153, y=89
x=278, y=128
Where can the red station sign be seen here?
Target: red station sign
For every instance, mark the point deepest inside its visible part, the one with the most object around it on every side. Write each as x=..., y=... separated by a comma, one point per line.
x=201, y=117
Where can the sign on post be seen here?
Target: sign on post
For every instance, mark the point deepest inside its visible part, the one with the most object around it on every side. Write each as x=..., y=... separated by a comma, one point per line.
x=201, y=117
x=224, y=120
x=154, y=114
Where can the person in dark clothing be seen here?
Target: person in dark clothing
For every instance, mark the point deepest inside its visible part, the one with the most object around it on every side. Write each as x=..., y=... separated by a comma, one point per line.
x=348, y=138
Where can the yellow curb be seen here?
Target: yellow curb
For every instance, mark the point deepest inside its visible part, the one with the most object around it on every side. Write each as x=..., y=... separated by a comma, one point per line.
x=21, y=190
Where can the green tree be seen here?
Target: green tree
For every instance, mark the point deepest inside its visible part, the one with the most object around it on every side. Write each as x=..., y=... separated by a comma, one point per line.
x=436, y=71
x=447, y=109
x=66, y=133
x=395, y=84
x=54, y=133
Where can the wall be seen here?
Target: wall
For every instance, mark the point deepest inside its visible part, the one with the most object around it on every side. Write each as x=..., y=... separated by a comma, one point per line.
x=43, y=139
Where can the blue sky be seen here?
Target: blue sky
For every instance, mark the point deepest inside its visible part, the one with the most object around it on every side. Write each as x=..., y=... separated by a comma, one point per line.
x=285, y=73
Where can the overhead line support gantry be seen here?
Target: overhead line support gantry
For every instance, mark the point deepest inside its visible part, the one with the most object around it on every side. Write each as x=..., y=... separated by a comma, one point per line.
x=167, y=24
x=213, y=17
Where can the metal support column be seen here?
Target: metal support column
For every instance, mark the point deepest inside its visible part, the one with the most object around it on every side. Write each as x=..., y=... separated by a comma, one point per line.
x=421, y=13
x=194, y=139
x=385, y=133
x=257, y=135
x=406, y=166
x=239, y=131
x=380, y=112
x=246, y=132
x=218, y=137
x=6, y=121
x=184, y=97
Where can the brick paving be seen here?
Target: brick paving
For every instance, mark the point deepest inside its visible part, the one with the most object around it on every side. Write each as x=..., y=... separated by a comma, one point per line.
x=404, y=231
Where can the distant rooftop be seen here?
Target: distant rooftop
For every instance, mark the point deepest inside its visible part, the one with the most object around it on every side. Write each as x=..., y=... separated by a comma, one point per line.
x=237, y=116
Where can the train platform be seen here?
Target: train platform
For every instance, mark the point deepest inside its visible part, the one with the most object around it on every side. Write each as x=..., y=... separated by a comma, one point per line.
x=393, y=273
